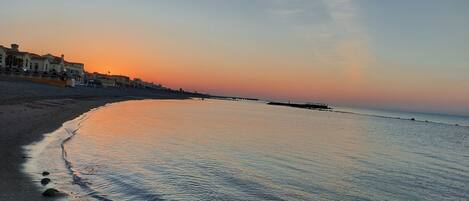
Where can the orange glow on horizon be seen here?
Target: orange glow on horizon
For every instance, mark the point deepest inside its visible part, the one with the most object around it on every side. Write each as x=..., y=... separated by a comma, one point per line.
x=161, y=67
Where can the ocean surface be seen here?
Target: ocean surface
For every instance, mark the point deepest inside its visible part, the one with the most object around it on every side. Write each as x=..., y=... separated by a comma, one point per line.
x=243, y=150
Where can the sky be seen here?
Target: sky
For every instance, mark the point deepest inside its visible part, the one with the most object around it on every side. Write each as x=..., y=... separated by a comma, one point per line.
x=401, y=54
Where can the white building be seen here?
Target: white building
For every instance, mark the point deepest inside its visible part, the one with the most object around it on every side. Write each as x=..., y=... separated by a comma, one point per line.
x=56, y=64
x=60, y=65
x=39, y=63
x=74, y=70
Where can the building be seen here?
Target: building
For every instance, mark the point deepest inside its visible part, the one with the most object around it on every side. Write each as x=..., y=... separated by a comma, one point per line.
x=3, y=56
x=98, y=79
x=39, y=63
x=56, y=63
x=34, y=65
x=121, y=80
x=74, y=70
x=11, y=59
x=139, y=83
x=16, y=60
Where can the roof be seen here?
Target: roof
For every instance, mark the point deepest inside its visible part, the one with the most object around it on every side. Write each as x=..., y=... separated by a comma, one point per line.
x=13, y=52
x=120, y=76
x=74, y=63
x=37, y=57
x=16, y=53
x=53, y=59
x=58, y=60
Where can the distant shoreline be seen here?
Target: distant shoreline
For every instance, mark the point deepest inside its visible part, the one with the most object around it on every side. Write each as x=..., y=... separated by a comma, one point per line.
x=30, y=110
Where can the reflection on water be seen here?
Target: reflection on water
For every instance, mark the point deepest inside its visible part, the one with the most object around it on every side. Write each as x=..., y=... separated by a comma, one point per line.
x=220, y=150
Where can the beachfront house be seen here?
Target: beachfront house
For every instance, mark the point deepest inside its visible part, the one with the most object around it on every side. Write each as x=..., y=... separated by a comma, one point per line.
x=16, y=60
x=121, y=80
x=151, y=85
x=56, y=63
x=139, y=83
x=39, y=63
x=101, y=80
x=74, y=70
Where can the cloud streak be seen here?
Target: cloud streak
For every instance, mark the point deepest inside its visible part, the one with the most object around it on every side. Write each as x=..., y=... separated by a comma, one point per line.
x=352, y=46
x=336, y=41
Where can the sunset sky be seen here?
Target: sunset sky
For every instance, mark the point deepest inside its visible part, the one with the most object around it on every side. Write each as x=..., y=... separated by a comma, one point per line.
x=407, y=54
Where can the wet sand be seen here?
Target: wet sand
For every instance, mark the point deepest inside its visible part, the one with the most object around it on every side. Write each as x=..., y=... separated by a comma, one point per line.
x=29, y=110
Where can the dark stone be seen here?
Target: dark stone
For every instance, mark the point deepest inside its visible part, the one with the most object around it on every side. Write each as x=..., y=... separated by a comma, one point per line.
x=45, y=173
x=50, y=192
x=45, y=181
x=413, y=119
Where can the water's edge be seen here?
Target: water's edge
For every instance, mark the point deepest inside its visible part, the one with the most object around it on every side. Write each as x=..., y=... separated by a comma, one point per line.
x=57, y=139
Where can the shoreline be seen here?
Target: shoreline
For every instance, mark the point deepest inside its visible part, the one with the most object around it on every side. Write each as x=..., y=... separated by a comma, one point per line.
x=49, y=155
x=26, y=117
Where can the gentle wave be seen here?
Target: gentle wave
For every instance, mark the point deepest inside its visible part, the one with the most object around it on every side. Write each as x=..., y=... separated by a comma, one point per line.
x=77, y=179
x=50, y=155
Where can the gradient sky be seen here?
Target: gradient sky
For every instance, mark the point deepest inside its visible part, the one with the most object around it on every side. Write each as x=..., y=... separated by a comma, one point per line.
x=399, y=54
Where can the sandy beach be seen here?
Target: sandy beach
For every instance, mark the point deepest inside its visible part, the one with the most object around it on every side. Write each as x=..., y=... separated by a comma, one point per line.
x=29, y=110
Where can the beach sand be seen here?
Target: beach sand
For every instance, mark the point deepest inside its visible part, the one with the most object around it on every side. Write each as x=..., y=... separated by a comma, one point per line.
x=29, y=110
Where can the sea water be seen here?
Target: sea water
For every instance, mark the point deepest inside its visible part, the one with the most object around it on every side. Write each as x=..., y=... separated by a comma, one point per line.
x=242, y=150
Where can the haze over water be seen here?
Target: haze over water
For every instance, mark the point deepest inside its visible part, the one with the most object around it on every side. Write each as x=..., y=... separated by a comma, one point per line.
x=221, y=150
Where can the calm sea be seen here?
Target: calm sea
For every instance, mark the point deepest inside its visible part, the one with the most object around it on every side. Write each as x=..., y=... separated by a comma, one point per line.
x=223, y=150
